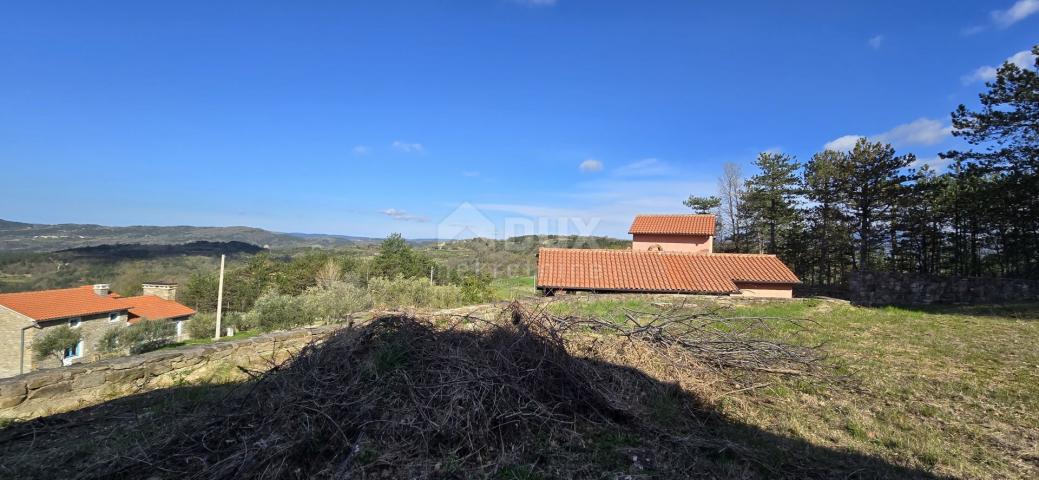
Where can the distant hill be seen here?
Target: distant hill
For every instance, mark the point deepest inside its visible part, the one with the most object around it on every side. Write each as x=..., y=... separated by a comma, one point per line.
x=33, y=237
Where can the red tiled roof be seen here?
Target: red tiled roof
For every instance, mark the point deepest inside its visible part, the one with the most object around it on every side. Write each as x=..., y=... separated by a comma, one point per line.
x=626, y=270
x=62, y=303
x=150, y=307
x=673, y=224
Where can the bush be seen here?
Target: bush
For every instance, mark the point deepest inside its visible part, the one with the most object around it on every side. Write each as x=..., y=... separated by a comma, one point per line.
x=275, y=311
x=202, y=325
x=476, y=288
x=109, y=341
x=335, y=302
x=147, y=335
x=413, y=292
x=54, y=341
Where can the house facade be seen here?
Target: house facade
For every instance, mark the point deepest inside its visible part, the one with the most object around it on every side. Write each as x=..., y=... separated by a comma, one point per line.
x=669, y=254
x=673, y=233
x=90, y=309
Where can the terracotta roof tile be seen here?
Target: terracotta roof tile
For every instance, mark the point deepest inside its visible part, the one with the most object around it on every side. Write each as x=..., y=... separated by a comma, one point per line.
x=62, y=303
x=150, y=307
x=673, y=224
x=626, y=270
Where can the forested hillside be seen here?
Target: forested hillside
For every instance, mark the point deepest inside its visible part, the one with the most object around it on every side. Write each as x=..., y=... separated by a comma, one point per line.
x=30, y=237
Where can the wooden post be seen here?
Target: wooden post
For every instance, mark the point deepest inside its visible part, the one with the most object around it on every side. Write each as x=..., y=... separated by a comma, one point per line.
x=220, y=298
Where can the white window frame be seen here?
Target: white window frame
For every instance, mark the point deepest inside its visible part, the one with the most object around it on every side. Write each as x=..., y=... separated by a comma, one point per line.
x=75, y=322
x=67, y=359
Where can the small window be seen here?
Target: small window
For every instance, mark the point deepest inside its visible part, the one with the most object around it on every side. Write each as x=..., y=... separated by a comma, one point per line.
x=74, y=352
x=113, y=317
x=74, y=322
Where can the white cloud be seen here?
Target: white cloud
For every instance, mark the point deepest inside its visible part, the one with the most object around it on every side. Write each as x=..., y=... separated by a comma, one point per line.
x=1023, y=59
x=590, y=165
x=936, y=163
x=922, y=131
x=403, y=215
x=843, y=143
x=362, y=150
x=408, y=147
x=647, y=167
x=777, y=149
x=536, y=3
x=875, y=41
x=1019, y=11
x=973, y=30
x=470, y=173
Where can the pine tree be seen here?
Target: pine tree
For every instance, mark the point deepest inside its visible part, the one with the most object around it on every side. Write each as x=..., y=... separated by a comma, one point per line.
x=771, y=195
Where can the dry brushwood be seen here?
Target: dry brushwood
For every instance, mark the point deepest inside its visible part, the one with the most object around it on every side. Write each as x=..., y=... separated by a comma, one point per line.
x=707, y=336
x=403, y=397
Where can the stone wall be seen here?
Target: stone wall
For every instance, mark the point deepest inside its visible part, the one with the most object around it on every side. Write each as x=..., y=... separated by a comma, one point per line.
x=885, y=288
x=62, y=389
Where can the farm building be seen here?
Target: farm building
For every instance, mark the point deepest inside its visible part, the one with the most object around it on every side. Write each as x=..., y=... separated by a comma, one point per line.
x=670, y=254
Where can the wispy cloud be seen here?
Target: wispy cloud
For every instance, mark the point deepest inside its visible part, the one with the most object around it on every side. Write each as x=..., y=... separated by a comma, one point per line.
x=470, y=173
x=407, y=147
x=922, y=131
x=535, y=3
x=362, y=150
x=875, y=42
x=843, y=143
x=403, y=216
x=647, y=167
x=1020, y=10
x=590, y=165
x=936, y=163
x=985, y=73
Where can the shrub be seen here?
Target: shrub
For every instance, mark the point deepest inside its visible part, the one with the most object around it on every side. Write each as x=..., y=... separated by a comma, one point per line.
x=275, y=311
x=335, y=302
x=54, y=342
x=476, y=288
x=202, y=325
x=147, y=335
x=109, y=341
x=414, y=292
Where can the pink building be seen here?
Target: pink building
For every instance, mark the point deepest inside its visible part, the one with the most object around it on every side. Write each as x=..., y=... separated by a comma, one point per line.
x=673, y=233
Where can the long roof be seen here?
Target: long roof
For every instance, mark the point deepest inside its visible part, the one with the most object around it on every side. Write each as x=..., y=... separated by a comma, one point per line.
x=674, y=272
x=60, y=303
x=673, y=224
x=150, y=307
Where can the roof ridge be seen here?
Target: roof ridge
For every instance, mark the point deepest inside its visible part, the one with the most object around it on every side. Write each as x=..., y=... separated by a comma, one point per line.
x=49, y=290
x=712, y=254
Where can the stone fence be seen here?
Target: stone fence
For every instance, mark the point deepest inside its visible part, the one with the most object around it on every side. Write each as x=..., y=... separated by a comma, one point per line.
x=62, y=389
x=886, y=288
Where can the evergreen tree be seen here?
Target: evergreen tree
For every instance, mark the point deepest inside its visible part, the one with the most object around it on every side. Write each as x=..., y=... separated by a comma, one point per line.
x=771, y=195
x=872, y=185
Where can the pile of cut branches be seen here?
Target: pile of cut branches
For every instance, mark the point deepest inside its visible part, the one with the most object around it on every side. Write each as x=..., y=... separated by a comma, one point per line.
x=707, y=335
x=407, y=397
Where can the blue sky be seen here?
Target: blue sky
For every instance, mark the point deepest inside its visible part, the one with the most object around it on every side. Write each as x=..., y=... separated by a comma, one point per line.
x=366, y=118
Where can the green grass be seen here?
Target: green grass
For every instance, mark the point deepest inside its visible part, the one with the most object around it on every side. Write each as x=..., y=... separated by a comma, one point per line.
x=951, y=390
x=206, y=341
x=511, y=288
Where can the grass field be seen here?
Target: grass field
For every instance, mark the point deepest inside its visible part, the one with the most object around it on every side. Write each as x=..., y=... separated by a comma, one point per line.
x=953, y=391
x=945, y=392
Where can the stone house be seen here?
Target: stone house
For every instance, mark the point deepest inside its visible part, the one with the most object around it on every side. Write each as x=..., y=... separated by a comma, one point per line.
x=91, y=309
x=669, y=254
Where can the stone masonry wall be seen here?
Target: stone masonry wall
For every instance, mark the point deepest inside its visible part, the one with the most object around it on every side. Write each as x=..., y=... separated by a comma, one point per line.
x=885, y=288
x=62, y=389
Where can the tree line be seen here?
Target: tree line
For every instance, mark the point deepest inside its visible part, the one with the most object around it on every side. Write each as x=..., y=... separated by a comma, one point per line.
x=872, y=208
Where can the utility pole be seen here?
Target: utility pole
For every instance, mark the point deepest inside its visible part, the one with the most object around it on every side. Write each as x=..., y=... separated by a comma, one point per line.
x=431, y=275
x=220, y=298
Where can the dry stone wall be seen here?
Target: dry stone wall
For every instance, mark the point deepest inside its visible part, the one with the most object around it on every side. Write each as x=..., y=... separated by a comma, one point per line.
x=62, y=389
x=885, y=288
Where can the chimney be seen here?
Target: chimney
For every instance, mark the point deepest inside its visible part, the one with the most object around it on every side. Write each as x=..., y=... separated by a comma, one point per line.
x=101, y=289
x=163, y=290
